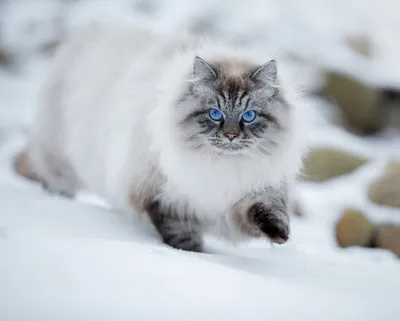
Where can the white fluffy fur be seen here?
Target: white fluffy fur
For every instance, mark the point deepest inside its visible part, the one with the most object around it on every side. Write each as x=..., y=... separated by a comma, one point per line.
x=107, y=112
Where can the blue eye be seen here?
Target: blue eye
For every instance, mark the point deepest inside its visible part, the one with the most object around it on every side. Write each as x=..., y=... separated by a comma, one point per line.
x=249, y=116
x=215, y=114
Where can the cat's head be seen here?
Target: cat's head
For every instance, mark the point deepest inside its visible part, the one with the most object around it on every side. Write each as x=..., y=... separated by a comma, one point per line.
x=233, y=108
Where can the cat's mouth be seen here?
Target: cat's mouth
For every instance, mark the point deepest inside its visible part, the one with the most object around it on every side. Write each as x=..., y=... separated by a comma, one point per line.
x=230, y=148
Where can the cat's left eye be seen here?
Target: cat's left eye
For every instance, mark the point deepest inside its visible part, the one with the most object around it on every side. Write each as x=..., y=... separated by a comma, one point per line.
x=249, y=116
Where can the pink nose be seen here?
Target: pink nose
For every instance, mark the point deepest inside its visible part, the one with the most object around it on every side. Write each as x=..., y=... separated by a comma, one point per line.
x=231, y=136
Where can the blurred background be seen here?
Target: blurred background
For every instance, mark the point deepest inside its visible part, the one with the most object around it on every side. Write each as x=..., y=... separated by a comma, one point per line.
x=345, y=54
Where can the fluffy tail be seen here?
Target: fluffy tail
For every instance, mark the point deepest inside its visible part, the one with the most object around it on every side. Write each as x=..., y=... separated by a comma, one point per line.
x=23, y=167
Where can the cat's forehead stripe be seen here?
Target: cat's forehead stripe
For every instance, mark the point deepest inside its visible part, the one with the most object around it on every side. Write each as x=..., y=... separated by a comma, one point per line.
x=233, y=89
x=243, y=93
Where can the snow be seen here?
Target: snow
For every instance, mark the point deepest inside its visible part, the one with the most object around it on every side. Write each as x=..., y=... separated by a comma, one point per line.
x=79, y=260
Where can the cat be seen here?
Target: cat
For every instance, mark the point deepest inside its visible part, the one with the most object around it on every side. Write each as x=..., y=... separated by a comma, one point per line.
x=202, y=138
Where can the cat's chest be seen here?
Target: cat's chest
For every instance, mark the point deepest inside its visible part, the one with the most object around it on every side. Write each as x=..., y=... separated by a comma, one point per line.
x=212, y=191
x=206, y=198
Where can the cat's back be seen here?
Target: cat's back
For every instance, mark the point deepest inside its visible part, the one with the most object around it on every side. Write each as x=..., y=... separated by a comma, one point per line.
x=101, y=86
x=101, y=77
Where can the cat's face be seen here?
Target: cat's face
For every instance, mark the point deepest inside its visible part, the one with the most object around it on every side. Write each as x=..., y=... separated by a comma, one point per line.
x=233, y=108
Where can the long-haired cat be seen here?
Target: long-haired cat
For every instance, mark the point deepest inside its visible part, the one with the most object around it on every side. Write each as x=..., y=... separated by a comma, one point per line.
x=202, y=139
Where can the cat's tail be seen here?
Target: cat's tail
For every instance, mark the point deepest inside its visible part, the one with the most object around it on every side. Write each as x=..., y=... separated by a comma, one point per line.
x=23, y=167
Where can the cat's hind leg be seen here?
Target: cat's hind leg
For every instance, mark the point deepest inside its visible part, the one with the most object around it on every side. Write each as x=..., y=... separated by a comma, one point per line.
x=54, y=173
x=23, y=167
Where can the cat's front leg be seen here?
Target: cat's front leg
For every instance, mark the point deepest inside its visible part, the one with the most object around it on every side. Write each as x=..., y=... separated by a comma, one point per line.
x=177, y=229
x=263, y=212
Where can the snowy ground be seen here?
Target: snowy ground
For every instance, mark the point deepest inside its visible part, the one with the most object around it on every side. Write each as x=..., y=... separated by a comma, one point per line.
x=78, y=260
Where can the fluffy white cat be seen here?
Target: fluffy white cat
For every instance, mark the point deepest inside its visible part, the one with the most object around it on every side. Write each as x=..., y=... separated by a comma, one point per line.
x=199, y=137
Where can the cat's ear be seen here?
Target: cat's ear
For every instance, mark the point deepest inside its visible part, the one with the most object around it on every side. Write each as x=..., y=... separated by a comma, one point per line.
x=203, y=70
x=266, y=75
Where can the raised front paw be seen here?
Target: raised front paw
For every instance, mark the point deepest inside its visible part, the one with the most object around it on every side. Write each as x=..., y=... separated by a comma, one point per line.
x=271, y=221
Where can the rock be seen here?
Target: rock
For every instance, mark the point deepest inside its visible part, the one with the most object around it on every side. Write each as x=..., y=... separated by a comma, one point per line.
x=361, y=45
x=3, y=58
x=391, y=95
x=392, y=168
x=388, y=237
x=360, y=103
x=391, y=103
x=354, y=229
x=386, y=189
x=324, y=163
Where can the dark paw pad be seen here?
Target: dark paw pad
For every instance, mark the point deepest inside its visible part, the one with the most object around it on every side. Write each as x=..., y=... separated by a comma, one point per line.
x=269, y=221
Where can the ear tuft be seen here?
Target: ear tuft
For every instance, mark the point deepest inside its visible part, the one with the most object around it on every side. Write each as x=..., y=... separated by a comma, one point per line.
x=266, y=75
x=202, y=69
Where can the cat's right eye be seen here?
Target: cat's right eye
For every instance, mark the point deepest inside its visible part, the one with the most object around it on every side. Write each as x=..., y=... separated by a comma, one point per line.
x=215, y=114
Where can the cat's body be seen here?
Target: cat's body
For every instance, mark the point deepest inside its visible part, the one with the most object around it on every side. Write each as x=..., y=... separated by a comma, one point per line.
x=124, y=113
